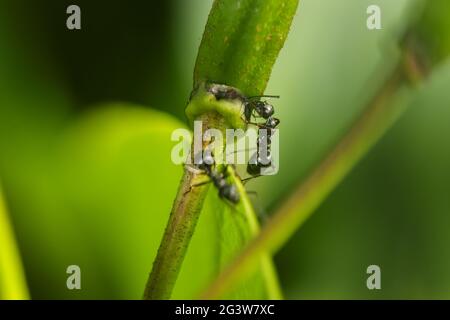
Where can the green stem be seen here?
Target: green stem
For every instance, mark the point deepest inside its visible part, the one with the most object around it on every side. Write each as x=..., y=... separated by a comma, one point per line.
x=179, y=230
x=366, y=131
x=178, y=233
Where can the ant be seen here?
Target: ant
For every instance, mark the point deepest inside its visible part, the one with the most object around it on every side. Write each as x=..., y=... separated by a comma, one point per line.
x=256, y=162
x=264, y=110
x=252, y=105
x=221, y=91
x=227, y=190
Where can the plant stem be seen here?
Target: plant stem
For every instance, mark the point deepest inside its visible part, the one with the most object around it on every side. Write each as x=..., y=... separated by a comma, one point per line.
x=365, y=132
x=179, y=230
x=178, y=233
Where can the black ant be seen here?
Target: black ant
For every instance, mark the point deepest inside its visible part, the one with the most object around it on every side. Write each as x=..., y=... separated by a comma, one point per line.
x=264, y=110
x=222, y=91
x=227, y=190
x=256, y=162
x=252, y=106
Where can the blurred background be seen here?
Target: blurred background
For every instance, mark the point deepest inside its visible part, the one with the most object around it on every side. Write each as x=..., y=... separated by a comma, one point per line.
x=85, y=124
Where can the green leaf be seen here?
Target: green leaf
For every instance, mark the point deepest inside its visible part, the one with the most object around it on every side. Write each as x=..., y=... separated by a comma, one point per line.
x=100, y=199
x=12, y=278
x=241, y=42
x=120, y=182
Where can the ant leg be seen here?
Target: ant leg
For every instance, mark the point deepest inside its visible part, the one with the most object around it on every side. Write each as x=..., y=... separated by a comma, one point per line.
x=242, y=150
x=196, y=186
x=244, y=181
x=225, y=172
x=259, y=125
x=264, y=96
x=255, y=117
x=193, y=169
x=249, y=122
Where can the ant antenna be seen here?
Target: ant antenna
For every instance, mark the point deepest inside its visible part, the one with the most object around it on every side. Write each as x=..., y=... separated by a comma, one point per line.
x=264, y=96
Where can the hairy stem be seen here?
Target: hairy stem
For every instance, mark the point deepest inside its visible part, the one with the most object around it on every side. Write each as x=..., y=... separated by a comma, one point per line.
x=178, y=233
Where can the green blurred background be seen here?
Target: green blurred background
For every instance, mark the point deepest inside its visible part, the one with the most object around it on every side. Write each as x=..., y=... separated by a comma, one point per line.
x=85, y=124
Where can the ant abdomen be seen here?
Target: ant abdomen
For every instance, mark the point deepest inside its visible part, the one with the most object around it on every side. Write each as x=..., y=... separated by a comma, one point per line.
x=230, y=192
x=264, y=109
